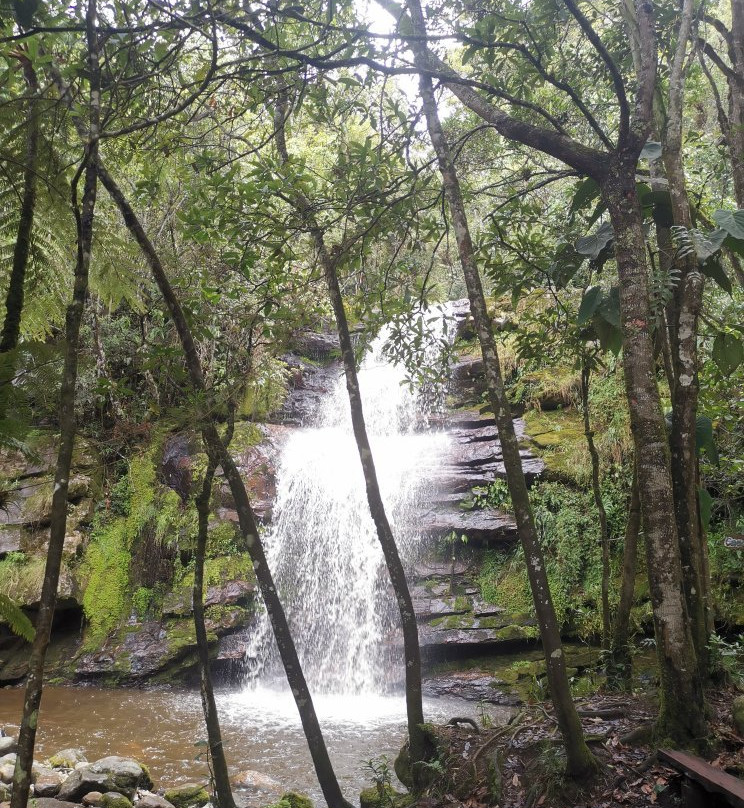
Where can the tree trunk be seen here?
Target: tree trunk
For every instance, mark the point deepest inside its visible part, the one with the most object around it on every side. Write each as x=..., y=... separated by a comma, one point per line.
x=682, y=713
x=67, y=427
x=688, y=300
x=598, y=503
x=579, y=760
x=735, y=134
x=22, y=248
x=620, y=664
x=223, y=792
x=419, y=747
x=248, y=527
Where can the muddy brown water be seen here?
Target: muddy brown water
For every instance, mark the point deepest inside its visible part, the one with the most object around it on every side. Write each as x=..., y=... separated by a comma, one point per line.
x=261, y=731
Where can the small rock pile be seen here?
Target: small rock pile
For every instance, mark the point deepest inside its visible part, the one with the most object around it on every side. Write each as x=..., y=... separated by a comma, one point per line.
x=68, y=780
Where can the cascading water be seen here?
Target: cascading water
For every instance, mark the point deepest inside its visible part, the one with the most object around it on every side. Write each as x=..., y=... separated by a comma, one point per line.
x=323, y=548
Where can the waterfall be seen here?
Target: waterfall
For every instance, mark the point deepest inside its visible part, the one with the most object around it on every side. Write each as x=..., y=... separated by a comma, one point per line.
x=322, y=547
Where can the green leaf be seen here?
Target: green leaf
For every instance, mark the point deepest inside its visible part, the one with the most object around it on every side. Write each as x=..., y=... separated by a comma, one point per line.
x=734, y=244
x=593, y=245
x=651, y=151
x=705, y=438
x=610, y=337
x=589, y=303
x=714, y=270
x=732, y=221
x=586, y=192
x=12, y=614
x=609, y=308
x=705, y=501
x=728, y=352
x=660, y=203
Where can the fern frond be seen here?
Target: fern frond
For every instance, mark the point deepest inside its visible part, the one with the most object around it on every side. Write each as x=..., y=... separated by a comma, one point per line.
x=13, y=615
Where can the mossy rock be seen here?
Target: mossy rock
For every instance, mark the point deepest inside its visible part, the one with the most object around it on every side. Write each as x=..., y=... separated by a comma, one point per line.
x=113, y=800
x=189, y=795
x=293, y=799
x=737, y=714
x=382, y=796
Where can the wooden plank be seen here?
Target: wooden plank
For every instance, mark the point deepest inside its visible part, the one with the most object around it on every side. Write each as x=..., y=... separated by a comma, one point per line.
x=714, y=780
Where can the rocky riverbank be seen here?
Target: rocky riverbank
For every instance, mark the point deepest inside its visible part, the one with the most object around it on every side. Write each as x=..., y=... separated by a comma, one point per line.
x=68, y=780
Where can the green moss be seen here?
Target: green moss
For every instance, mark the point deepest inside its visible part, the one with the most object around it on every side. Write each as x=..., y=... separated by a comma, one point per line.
x=292, y=799
x=223, y=539
x=245, y=435
x=187, y=795
x=558, y=438
x=237, y=567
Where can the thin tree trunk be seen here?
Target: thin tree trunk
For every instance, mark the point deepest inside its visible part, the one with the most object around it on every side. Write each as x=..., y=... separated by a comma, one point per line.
x=249, y=529
x=419, y=750
x=620, y=664
x=67, y=426
x=735, y=135
x=682, y=714
x=14, y=297
x=598, y=503
x=579, y=760
x=688, y=299
x=224, y=796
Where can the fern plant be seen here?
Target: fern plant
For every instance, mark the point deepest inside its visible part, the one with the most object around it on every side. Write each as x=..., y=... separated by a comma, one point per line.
x=14, y=616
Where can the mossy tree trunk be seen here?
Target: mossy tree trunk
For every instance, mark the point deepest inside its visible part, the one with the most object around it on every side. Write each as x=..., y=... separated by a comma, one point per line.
x=579, y=760
x=84, y=215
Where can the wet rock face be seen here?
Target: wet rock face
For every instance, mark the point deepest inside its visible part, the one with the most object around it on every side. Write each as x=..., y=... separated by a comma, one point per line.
x=308, y=385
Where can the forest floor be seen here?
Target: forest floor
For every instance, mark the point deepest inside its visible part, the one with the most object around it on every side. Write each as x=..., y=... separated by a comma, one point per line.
x=531, y=759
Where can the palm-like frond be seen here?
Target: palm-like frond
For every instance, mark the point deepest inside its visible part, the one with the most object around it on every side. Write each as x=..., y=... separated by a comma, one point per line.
x=13, y=615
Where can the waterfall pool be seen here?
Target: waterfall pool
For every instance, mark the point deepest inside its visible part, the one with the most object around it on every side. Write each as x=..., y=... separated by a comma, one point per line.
x=260, y=727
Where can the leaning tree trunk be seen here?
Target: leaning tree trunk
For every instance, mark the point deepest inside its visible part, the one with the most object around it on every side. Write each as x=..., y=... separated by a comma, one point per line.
x=248, y=527
x=682, y=713
x=419, y=748
x=579, y=760
x=224, y=795
x=67, y=427
x=598, y=504
x=620, y=664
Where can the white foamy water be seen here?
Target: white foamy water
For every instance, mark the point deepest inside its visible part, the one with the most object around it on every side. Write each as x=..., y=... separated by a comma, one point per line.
x=323, y=548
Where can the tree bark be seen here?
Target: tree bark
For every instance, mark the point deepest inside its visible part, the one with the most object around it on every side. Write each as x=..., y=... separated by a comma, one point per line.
x=21, y=250
x=688, y=300
x=248, y=527
x=598, y=503
x=620, y=664
x=735, y=135
x=223, y=796
x=579, y=760
x=67, y=427
x=682, y=714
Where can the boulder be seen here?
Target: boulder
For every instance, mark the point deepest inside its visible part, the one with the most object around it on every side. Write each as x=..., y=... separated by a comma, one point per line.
x=52, y=802
x=188, y=795
x=114, y=773
x=47, y=782
x=257, y=781
x=6, y=773
x=112, y=799
x=149, y=800
x=8, y=744
x=67, y=759
x=93, y=798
